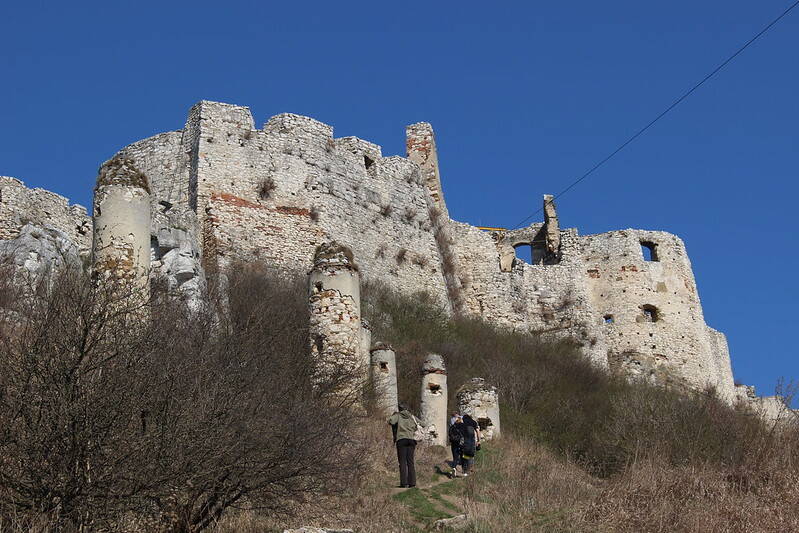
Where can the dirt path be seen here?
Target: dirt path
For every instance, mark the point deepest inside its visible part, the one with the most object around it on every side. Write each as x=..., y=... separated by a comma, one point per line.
x=435, y=498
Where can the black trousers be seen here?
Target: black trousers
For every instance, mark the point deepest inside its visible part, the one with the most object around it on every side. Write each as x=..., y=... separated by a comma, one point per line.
x=405, y=450
x=456, y=454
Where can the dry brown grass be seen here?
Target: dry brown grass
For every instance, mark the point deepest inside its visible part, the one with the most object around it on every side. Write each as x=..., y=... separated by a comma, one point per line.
x=652, y=496
x=366, y=506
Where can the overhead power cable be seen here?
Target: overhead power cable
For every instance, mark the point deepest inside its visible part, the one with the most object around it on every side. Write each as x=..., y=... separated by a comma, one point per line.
x=674, y=104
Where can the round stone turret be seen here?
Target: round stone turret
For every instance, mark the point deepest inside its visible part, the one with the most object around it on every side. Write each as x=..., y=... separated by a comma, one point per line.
x=434, y=399
x=481, y=402
x=121, y=238
x=335, y=308
x=384, y=377
x=334, y=268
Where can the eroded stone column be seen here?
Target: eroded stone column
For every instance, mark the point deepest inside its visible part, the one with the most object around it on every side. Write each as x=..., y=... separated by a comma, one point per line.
x=434, y=399
x=551, y=228
x=481, y=402
x=121, y=238
x=421, y=149
x=384, y=377
x=335, y=324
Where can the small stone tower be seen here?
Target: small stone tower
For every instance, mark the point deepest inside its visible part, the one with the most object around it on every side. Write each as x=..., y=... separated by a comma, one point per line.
x=384, y=377
x=335, y=308
x=434, y=399
x=121, y=238
x=481, y=402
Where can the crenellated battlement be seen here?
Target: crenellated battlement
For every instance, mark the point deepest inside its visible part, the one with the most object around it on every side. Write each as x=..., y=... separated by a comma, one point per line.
x=222, y=190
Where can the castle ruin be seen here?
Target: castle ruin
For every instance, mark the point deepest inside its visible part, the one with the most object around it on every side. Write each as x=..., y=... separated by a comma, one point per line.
x=222, y=190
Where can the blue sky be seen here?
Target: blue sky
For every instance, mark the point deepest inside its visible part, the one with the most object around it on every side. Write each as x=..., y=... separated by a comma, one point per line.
x=524, y=98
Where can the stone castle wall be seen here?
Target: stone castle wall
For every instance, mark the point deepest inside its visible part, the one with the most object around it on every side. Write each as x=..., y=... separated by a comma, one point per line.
x=224, y=190
x=274, y=194
x=20, y=205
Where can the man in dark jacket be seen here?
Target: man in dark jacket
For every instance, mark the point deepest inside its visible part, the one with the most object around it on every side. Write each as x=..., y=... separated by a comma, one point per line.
x=403, y=425
x=455, y=440
x=468, y=447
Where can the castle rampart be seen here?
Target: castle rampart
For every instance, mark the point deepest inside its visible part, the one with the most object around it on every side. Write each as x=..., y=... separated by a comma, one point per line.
x=20, y=205
x=222, y=190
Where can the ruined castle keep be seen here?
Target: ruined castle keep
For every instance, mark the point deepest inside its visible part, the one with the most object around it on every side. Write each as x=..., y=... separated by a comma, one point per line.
x=222, y=189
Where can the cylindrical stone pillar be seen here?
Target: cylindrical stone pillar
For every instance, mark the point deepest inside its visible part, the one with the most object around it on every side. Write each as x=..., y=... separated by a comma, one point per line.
x=384, y=378
x=121, y=239
x=335, y=324
x=481, y=402
x=434, y=399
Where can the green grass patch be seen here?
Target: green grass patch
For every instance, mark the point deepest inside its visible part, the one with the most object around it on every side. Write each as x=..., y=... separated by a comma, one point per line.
x=420, y=505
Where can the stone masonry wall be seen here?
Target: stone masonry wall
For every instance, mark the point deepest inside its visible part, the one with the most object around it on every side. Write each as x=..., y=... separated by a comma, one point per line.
x=20, y=205
x=673, y=345
x=224, y=190
x=551, y=299
x=276, y=193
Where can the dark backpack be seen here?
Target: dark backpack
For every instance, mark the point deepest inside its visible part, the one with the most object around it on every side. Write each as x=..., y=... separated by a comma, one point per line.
x=468, y=441
x=456, y=435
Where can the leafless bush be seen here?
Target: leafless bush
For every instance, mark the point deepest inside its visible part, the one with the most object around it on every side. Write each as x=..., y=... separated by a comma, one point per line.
x=386, y=210
x=315, y=213
x=448, y=263
x=265, y=187
x=409, y=214
x=111, y=406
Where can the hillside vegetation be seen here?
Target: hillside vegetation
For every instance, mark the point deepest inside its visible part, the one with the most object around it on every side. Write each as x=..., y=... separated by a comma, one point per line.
x=119, y=414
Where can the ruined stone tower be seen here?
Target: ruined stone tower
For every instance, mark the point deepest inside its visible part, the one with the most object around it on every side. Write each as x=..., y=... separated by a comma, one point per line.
x=480, y=401
x=335, y=308
x=121, y=245
x=384, y=378
x=223, y=189
x=434, y=399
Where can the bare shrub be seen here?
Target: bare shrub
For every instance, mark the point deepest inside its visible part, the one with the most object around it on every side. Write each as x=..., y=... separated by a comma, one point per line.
x=315, y=212
x=448, y=263
x=386, y=210
x=111, y=407
x=409, y=214
x=266, y=187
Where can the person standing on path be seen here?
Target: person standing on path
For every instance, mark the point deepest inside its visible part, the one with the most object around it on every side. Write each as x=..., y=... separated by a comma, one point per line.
x=469, y=421
x=455, y=440
x=404, y=426
x=468, y=446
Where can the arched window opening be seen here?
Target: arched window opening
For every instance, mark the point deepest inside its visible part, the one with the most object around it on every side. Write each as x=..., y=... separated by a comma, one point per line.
x=608, y=319
x=649, y=250
x=650, y=313
x=524, y=252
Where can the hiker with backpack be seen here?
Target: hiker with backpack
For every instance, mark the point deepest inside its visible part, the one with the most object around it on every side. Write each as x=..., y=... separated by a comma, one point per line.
x=407, y=431
x=469, y=444
x=455, y=436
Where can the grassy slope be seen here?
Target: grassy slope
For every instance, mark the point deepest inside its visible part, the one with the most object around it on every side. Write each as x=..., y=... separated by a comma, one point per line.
x=581, y=450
